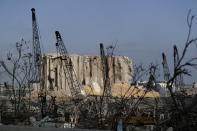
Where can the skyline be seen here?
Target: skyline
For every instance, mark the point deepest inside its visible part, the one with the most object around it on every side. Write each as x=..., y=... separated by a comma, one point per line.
x=142, y=30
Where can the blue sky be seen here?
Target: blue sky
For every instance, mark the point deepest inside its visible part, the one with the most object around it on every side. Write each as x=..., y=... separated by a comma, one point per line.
x=142, y=29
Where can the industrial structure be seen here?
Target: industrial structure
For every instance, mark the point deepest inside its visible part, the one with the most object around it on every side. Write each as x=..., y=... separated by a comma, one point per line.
x=165, y=68
x=69, y=72
x=88, y=70
x=36, y=48
x=36, y=60
x=95, y=91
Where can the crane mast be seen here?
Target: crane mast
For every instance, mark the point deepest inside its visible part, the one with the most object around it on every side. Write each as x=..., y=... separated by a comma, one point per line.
x=68, y=68
x=36, y=49
x=179, y=79
x=36, y=64
x=105, y=70
x=165, y=68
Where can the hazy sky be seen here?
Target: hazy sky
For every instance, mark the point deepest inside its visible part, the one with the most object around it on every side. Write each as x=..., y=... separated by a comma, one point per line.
x=142, y=29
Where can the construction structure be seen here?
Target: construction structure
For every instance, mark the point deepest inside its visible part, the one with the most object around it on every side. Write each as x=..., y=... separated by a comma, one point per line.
x=36, y=60
x=94, y=91
x=179, y=82
x=105, y=70
x=69, y=72
x=36, y=50
x=166, y=70
x=88, y=70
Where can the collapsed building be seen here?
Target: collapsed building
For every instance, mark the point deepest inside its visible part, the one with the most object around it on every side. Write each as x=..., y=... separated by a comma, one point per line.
x=88, y=70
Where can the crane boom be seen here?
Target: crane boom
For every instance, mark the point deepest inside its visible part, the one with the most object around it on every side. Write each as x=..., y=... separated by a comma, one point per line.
x=36, y=64
x=165, y=68
x=36, y=48
x=68, y=68
x=105, y=70
x=179, y=79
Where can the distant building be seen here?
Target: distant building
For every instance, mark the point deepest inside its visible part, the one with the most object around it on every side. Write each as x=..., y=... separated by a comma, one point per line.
x=191, y=91
x=160, y=87
x=3, y=91
x=1, y=88
x=195, y=85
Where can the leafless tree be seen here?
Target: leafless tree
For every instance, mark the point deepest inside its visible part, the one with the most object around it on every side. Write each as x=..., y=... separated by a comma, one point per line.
x=18, y=67
x=182, y=68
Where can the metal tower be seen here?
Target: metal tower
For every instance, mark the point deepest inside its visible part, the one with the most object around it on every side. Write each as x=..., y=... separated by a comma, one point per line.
x=36, y=49
x=105, y=70
x=36, y=64
x=179, y=79
x=68, y=68
x=179, y=83
x=165, y=68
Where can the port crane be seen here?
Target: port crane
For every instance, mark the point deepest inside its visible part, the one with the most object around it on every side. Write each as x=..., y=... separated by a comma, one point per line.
x=178, y=98
x=36, y=51
x=179, y=82
x=105, y=70
x=179, y=79
x=68, y=67
x=165, y=68
x=36, y=48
